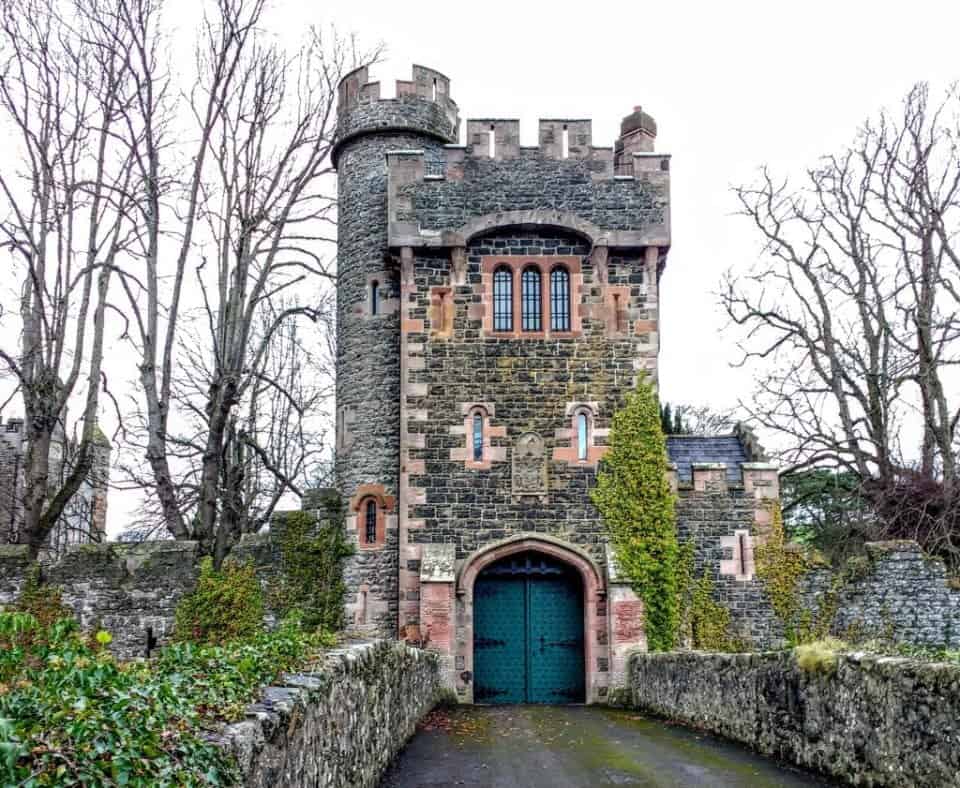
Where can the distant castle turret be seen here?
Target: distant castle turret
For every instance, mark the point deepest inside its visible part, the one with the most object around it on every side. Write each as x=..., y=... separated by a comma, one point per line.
x=85, y=517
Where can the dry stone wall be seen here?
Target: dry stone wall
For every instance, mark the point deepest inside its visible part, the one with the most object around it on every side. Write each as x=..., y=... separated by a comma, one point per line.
x=338, y=727
x=895, y=593
x=130, y=590
x=874, y=721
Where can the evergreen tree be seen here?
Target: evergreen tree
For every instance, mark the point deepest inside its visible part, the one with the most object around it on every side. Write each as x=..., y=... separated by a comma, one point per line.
x=679, y=427
x=666, y=419
x=634, y=497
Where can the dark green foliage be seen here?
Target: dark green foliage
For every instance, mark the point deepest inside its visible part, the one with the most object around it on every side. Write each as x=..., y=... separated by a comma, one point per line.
x=227, y=604
x=824, y=509
x=310, y=584
x=634, y=497
x=672, y=421
x=72, y=715
x=666, y=419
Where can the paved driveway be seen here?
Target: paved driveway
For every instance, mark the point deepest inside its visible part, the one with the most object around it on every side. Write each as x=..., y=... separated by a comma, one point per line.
x=572, y=747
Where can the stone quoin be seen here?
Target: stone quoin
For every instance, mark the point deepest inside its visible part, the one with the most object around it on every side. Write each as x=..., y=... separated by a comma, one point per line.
x=495, y=304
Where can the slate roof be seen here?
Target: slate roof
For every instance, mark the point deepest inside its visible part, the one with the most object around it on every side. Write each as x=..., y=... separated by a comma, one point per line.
x=684, y=450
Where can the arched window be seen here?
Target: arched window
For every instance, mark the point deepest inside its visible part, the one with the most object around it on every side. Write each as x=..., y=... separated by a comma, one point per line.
x=503, y=300
x=477, y=428
x=531, y=306
x=559, y=299
x=374, y=297
x=370, y=521
x=583, y=425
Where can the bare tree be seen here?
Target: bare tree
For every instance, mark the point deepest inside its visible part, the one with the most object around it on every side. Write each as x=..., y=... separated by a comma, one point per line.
x=244, y=226
x=64, y=88
x=275, y=438
x=851, y=316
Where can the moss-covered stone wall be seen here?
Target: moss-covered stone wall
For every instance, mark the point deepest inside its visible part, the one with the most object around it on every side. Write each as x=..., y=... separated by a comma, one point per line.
x=339, y=725
x=870, y=721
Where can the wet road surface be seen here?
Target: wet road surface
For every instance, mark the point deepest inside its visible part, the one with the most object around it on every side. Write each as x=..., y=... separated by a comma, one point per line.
x=573, y=747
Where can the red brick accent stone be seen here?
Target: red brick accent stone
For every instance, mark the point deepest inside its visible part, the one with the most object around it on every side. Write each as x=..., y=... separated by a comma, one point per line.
x=442, y=309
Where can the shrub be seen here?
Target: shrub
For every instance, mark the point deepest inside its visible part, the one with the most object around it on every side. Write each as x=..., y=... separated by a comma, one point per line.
x=703, y=623
x=634, y=497
x=227, y=604
x=820, y=656
x=780, y=566
x=70, y=715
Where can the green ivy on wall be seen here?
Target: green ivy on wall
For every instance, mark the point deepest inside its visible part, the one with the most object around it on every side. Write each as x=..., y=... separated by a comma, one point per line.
x=633, y=495
x=227, y=604
x=310, y=584
x=703, y=623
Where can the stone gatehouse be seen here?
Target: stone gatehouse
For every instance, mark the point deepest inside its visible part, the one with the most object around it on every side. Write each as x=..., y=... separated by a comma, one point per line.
x=496, y=302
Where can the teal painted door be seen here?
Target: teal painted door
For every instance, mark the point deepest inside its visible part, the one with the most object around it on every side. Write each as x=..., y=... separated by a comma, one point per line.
x=499, y=605
x=528, y=632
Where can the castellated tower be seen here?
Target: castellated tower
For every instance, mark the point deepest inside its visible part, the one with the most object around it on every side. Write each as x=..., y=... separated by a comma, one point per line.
x=496, y=303
x=422, y=117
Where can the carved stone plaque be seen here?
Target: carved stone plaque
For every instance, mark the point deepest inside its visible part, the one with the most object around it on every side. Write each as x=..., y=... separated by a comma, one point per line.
x=529, y=466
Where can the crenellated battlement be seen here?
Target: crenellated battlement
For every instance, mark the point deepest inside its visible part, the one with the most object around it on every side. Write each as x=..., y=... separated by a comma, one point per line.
x=422, y=105
x=427, y=84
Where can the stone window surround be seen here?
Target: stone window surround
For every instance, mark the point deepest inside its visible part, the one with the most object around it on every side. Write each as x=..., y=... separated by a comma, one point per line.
x=517, y=264
x=385, y=305
x=491, y=454
x=570, y=453
x=385, y=503
x=740, y=565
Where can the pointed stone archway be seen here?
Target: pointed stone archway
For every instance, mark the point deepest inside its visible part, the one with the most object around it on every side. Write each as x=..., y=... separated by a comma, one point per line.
x=595, y=628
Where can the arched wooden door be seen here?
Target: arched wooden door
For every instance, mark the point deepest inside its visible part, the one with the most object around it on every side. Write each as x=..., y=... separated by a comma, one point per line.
x=528, y=632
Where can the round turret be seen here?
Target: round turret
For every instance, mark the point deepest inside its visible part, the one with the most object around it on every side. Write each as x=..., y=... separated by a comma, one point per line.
x=421, y=117
x=422, y=106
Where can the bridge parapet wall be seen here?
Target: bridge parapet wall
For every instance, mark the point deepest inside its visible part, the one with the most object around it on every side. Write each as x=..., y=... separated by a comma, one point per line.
x=339, y=725
x=868, y=720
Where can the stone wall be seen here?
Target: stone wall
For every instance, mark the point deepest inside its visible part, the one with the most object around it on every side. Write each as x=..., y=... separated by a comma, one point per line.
x=339, y=726
x=896, y=593
x=711, y=519
x=522, y=385
x=875, y=721
x=130, y=590
x=14, y=566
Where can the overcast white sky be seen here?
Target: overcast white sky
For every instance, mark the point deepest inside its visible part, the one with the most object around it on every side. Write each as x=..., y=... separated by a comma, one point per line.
x=732, y=85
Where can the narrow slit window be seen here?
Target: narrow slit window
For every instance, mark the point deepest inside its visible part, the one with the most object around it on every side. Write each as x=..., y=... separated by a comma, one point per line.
x=491, y=142
x=531, y=302
x=582, y=427
x=566, y=141
x=370, y=522
x=434, y=88
x=374, y=298
x=560, y=299
x=478, y=437
x=503, y=300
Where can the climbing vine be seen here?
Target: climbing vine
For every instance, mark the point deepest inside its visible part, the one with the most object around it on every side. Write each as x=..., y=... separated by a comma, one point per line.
x=637, y=505
x=226, y=604
x=703, y=623
x=310, y=583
